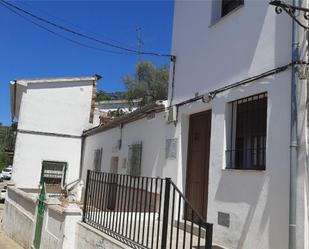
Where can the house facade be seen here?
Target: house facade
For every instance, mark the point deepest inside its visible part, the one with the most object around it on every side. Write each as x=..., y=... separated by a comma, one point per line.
x=241, y=170
x=51, y=114
x=232, y=135
x=226, y=138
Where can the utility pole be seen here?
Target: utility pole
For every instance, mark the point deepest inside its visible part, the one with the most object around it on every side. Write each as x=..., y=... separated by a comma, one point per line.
x=140, y=42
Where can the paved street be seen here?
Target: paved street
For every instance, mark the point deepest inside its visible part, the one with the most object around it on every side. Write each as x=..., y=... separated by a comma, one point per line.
x=5, y=241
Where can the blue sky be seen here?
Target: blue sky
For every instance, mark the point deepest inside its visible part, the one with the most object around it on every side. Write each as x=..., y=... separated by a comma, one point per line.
x=26, y=51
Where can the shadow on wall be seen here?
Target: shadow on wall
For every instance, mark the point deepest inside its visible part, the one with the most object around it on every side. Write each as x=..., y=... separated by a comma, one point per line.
x=261, y=213
x=231, y=191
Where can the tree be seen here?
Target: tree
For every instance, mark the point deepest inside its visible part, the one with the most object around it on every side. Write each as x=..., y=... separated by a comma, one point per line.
x=149, y=83
x=103, y=96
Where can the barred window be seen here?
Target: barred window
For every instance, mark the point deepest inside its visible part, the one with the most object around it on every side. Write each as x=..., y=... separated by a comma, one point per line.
x=228, y=5
x=135, y=159
x=247, y=138
x=53, y=174
x=97, y=159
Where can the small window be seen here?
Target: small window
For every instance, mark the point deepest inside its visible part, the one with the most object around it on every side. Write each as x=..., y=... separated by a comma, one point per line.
x=135, y=159
x=53, y=173
x=247, y=133
x=229, y=5
x=97, y=159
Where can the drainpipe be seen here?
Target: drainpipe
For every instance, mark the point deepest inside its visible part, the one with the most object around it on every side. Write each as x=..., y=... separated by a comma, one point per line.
x=293, y=136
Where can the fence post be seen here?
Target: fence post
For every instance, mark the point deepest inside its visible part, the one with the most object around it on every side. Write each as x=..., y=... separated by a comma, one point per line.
x=165, y=212
x=209, y=228
x=86, y=195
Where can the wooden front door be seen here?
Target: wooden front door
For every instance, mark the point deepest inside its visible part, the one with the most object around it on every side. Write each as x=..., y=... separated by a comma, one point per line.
x=198, y=162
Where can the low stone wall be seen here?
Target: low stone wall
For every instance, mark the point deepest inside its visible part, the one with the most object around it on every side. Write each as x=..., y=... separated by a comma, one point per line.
x=19, y=216
x=59, y=226
x=91, y=238
x=59, y=223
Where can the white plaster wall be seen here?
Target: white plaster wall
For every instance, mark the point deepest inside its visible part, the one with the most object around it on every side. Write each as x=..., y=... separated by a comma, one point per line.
x=91, y=238
x=257, y=201
x=59, y=227
x=62, y=107
x=19, y=218
x=31, y=150
x=250, y=41
x=150, y=132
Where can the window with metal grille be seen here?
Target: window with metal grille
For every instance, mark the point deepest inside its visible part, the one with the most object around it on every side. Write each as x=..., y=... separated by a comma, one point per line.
x=135, y=159
x=53, y=173
x=97, y=159
x=229, y=5
x=247, y=133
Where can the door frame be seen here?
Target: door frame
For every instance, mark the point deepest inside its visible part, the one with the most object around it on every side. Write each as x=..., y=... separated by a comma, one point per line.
x=189, y=155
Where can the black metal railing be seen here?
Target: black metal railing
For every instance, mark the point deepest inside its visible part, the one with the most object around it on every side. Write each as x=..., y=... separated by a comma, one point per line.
x=144, y=212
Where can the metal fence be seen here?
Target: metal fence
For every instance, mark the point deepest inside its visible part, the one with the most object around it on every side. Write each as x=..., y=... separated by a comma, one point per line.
x=144, y=212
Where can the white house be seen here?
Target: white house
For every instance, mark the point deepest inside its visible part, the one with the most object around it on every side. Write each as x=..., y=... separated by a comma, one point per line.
x=234, y=146
x=104, y=108
x=247, y=153
x=52, y=114
x=107, y=147
x=232, y=135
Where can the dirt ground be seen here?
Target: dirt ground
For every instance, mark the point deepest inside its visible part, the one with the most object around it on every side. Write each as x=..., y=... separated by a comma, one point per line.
x=5, y=241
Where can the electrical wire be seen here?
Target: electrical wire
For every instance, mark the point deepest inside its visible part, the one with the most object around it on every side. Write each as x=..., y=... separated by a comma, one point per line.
x=64, y=37
x=27, y=5
x=83, y=35
x=212, y=94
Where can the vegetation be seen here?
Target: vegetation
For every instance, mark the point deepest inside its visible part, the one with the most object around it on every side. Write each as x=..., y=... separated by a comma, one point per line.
x=103, y=96
x=149, y=83
x=4, y=158
x=7, y=139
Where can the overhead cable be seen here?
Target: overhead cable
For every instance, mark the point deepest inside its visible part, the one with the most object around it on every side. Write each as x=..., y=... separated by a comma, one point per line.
x=62, y=36
x=92, y=38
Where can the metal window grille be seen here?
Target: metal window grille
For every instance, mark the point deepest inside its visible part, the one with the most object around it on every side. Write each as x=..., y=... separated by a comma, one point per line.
x=135, y=159
x=247, y=145
x=229, y=5
x=53, y=175
x=97, y=159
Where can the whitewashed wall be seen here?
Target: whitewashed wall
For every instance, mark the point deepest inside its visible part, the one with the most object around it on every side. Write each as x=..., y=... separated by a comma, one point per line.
x=210, y=53
x=31, y=150
x=62, y=107
x=150, y=132
x=59, y=222
x=257, y=201
x=52, y=118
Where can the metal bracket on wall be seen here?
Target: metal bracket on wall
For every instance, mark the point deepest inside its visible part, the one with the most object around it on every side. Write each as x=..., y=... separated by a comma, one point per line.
x=292, y=11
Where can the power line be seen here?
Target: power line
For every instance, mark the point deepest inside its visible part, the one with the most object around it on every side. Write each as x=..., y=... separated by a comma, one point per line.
x=64, y=37
x=27, y=5
x=83, y=35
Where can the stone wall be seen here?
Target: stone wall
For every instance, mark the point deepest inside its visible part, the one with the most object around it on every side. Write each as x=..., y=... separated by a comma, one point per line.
x=91, y=238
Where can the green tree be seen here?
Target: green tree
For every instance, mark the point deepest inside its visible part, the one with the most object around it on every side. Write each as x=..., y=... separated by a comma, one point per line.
x=103, y=96
x=4, y=158
x=5, y=136
x=149, y=83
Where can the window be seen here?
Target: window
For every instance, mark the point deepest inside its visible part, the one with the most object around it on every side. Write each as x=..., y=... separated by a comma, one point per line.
x=228, y=5
x=53, y=175
x=97, y=159
x=135, y=159
x=247, y=133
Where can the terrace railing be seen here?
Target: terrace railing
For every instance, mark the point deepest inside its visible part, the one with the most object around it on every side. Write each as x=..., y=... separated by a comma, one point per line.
x=144, y=212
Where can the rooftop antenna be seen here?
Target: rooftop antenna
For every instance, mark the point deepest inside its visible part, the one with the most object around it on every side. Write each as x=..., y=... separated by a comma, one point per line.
x=140, y=42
